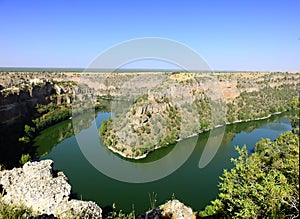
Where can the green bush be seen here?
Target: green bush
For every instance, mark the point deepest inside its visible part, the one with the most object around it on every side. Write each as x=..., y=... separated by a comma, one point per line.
x=24, y=139
x=25, y=158
x=103, y=127
x=29, y=131
x=108, y=142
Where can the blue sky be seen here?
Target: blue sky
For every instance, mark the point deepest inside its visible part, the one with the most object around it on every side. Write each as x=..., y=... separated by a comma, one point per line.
x=229, y=35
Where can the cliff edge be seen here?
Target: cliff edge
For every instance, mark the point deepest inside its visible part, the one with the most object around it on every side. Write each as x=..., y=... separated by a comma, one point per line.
x=37, y=186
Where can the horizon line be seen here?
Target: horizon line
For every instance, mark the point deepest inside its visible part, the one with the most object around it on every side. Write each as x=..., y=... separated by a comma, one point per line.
x=76, y=69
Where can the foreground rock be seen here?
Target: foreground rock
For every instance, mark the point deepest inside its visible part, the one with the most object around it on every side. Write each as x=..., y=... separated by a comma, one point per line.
x=153, y=214
x=176, y=210
x=172, y=209
x=38, y=187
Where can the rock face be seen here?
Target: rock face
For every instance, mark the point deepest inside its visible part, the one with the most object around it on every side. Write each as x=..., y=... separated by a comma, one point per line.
x=17, y=104
x=176, y=210
x=38, y=187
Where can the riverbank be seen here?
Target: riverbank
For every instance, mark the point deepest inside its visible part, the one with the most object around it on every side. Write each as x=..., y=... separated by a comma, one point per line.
x=132, y=157
x=125, y=155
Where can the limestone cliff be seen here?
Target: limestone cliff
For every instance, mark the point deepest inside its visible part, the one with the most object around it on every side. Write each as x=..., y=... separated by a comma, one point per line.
x=156, y=111
x=18, y=103
x=39, y=187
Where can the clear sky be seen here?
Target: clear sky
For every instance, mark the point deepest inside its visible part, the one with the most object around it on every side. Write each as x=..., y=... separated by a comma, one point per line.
x=229, y=35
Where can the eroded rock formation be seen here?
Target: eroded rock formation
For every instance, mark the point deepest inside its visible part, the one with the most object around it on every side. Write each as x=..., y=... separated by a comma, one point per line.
x=177, y=210
x=39, y=187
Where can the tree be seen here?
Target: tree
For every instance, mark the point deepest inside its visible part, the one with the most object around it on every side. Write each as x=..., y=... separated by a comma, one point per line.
x=25, y=158
x=29, y=131
x=263, y=185
x=103, y=127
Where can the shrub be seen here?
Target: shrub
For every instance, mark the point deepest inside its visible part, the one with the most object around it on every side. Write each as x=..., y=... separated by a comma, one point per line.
x=25, y=158
x=103, y=127
x=12, y=211
x=262, y=185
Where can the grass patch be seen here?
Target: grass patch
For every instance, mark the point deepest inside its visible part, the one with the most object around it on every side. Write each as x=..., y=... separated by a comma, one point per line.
x=12, y=211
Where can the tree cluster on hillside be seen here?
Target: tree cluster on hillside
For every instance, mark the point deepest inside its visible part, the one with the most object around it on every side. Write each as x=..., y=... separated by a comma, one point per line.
x=49, y=114
x=262, y=103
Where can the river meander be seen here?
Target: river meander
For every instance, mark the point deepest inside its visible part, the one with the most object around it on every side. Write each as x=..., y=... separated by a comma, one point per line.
x=194, y=186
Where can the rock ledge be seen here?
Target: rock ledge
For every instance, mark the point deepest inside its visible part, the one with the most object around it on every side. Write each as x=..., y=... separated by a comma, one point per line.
x=38, y=187
x=177, y=210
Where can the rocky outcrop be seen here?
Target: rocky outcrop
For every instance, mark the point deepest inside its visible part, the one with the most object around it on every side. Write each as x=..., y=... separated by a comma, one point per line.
x=38, y=187
x=153, y=214
x=176, y=210
x=172, y=209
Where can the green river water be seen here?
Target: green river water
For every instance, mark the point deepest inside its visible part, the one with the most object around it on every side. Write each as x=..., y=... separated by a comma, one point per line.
x=194, y=186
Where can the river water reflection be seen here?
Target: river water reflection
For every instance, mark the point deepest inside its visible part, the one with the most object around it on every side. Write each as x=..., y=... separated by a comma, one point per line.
x=194, y=186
